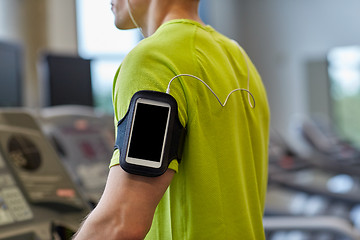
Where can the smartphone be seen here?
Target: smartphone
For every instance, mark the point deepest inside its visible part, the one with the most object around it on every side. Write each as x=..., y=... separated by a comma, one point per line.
x=148, y=133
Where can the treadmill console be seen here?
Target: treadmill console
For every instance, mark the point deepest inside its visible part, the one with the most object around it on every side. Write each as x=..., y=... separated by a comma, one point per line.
x=84, y=141
x=18, y=221
x=35, y=163
x=13, y=205
x=38, y=199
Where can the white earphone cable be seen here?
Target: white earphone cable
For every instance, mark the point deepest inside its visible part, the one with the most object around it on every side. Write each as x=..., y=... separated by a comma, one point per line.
x=133, y=19
x=189, y=75
x=222, y=104
x=238, y=89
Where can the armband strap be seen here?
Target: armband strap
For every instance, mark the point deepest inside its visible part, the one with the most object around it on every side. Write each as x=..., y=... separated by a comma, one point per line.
x=174, y=137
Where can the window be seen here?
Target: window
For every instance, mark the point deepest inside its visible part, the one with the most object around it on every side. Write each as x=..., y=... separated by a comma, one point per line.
x=100, y=41
x=344, y=76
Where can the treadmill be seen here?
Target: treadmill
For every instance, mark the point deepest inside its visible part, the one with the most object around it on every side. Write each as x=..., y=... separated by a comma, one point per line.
x=38, y=199
x=84, y=140
x=309, y=228
x=301, y=193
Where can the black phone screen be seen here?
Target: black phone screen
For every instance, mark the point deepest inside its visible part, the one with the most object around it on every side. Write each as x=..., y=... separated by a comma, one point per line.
x=148, y=132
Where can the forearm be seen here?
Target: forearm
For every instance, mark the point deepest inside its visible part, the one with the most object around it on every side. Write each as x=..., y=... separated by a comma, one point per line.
x=95, y=227
x=98, y=226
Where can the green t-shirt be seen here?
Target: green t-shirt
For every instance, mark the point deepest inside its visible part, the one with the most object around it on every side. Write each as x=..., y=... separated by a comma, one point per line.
x=219, y=189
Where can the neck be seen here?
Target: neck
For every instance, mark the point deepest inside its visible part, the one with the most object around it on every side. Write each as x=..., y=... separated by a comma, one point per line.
x=160, y=12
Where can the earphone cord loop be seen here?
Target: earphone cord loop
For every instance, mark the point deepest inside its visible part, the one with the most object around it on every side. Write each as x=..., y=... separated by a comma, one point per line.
x=222, y=104
x=238, y=89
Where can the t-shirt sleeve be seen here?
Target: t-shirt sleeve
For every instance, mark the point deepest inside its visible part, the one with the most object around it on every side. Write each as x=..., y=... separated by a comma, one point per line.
x=142, y=70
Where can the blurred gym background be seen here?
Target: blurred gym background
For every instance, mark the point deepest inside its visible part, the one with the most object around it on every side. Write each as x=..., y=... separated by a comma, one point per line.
x=57, y=63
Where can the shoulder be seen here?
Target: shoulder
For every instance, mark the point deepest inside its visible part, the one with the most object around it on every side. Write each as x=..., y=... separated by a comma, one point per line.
x=156, y=60
x=169, y=51
x=172, y=39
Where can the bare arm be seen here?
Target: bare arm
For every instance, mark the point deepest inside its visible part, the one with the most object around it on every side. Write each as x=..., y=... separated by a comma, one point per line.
x=126, y=208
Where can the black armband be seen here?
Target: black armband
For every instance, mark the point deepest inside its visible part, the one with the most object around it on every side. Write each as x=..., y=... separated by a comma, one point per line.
x=150, y=135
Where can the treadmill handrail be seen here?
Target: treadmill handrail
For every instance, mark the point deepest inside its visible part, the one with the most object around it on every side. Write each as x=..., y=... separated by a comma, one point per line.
x=328, y=223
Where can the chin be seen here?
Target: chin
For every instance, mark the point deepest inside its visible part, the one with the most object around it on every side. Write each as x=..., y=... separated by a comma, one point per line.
x=122, y=25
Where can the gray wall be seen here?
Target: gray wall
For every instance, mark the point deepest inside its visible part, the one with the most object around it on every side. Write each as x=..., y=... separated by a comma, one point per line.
x=226, y=16
x=282, y=36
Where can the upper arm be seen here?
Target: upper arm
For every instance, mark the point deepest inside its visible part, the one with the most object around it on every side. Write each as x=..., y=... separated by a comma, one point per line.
x=127, y=205
x=138, y=191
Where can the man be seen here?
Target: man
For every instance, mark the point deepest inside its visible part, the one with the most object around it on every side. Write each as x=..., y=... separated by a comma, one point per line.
x=218, y=189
